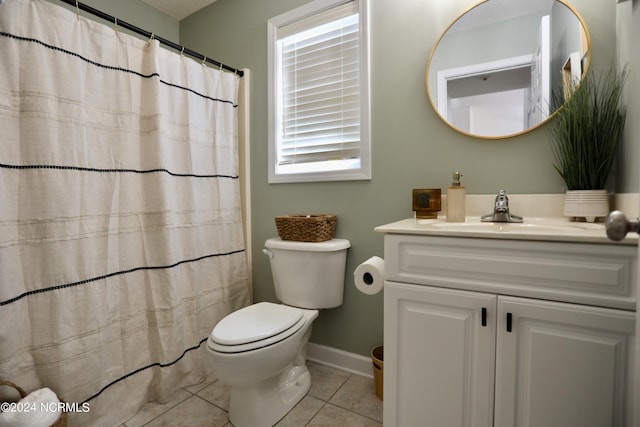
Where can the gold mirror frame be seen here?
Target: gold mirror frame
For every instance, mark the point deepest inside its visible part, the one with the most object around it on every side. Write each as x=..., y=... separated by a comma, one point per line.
x=584, y=62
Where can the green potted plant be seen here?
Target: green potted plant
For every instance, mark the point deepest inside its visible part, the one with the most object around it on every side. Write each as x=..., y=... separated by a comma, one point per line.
x=585, y=137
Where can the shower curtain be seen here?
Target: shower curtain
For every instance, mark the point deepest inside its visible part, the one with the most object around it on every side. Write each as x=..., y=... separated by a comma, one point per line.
x=121, y=235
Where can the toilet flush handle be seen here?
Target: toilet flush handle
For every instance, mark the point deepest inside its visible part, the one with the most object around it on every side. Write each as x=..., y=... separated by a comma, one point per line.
x=268, y=253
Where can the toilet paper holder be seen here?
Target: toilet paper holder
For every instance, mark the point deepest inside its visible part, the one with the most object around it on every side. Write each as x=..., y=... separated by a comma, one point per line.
x=367, y=278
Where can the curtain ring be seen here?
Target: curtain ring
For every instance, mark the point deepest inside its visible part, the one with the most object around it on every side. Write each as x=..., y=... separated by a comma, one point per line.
x=151, y=38
x=220, y=69
x=182, y=51
x=77, y=10
x=204, y=60
x=115, y=24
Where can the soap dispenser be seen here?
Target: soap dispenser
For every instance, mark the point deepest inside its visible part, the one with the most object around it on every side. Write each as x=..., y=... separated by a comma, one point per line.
x=456, y=195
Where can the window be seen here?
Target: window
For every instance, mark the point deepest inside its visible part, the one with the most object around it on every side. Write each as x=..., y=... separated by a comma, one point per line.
x=319, y=93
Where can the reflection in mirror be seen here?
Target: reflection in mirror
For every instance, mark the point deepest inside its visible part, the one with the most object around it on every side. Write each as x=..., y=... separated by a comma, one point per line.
x=493, y=71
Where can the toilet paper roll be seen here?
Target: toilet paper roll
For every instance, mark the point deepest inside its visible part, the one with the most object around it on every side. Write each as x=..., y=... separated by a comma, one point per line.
x=369, y=276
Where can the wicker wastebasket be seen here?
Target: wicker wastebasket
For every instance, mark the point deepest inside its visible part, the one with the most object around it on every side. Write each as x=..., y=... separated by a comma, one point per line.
x=378, y=369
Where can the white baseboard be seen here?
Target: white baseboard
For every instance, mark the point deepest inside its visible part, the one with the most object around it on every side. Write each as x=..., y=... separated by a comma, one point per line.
x=340, y=359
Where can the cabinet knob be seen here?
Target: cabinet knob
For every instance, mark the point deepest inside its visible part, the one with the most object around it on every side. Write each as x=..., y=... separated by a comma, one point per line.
x=617, y=226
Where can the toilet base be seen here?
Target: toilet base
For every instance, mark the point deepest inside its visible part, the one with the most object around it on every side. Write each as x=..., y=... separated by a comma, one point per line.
x=264, y=404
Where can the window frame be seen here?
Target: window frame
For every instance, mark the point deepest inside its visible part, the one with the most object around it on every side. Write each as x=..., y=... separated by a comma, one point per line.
x=273, y=24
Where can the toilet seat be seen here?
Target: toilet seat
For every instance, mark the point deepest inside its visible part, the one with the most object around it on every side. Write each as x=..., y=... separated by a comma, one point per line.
x=255, y=326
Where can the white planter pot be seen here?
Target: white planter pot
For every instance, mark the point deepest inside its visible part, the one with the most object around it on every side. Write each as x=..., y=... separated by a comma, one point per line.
x=588, y=204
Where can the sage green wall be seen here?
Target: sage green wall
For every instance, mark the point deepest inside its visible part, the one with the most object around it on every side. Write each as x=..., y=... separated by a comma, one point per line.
x=628, y=26
x=134, y=12
x=411, y=147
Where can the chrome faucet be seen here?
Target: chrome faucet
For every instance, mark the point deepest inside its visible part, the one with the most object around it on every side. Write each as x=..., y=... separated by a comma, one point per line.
x=501, y=211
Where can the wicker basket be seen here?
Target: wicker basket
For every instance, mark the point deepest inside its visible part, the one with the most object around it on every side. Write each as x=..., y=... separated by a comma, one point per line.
x=62, y=421
x=306, y=228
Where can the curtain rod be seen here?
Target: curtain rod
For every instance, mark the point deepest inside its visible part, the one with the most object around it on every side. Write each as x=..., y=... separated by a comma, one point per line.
x=130, y=27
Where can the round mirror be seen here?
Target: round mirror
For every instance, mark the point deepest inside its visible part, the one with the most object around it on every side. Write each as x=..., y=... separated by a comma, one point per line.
x=502, y=67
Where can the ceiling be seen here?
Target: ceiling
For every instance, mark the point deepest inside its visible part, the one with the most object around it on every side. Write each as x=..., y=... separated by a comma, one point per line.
x=178, y=9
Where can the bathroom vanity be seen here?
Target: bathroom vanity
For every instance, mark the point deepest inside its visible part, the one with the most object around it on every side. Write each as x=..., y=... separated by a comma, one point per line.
x=489, y=324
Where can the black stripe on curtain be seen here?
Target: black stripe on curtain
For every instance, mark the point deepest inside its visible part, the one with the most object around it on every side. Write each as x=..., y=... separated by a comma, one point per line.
x=115, y=273
x=85, y=169
x=137, y=371
x=109, y=67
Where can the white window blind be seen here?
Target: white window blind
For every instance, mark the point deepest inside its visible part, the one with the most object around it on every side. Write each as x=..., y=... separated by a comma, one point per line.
x=318, y=114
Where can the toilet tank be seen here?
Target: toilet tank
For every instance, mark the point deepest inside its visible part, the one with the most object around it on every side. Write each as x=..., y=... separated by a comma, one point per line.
x=308, y=275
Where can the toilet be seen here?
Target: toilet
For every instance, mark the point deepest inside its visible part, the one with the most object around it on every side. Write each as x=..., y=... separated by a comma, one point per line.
x=260, y=350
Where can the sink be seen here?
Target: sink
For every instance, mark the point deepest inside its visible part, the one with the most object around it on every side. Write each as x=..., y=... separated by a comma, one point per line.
x=531, y=228
x=508, y=227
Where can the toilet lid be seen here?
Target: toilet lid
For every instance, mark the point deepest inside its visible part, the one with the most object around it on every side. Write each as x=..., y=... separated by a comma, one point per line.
x=255, y=323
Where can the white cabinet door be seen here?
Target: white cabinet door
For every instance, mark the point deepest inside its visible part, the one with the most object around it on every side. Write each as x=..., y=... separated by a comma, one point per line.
x=439, y=354
x=562, y=364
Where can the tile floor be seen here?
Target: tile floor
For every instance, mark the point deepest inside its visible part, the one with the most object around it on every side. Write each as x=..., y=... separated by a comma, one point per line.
x=336, y=398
